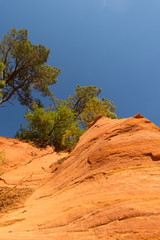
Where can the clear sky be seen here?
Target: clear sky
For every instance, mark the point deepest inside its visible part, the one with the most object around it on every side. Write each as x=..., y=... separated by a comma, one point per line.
x=113, y=44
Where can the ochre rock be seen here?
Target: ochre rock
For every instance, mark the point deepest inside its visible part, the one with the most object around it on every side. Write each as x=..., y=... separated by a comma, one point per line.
x=108, y=187
x=15, y=153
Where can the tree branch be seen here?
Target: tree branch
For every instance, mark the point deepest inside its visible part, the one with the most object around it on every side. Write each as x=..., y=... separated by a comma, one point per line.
x=14, y=90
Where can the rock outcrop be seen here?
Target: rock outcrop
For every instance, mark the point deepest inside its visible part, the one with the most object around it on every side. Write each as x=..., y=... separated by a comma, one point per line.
x=106, y=188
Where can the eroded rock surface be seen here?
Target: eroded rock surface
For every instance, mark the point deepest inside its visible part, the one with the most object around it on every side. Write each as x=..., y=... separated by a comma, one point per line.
x=107, y=188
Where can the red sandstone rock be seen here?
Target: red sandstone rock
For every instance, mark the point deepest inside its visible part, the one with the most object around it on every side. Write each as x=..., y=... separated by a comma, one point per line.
x=107, y=188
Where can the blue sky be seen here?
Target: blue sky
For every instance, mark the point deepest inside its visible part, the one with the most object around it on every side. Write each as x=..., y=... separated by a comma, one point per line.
x=113, y=44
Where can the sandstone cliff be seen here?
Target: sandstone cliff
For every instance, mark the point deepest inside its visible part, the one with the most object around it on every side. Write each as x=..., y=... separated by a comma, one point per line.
x=107, y=188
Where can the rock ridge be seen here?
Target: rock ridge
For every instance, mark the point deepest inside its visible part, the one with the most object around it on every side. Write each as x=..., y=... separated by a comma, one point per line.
x=106, y=188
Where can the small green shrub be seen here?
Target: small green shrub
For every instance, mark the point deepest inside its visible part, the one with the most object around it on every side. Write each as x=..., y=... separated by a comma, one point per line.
x=58, y=128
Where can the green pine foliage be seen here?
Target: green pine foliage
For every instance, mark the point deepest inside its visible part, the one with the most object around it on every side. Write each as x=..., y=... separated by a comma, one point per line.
x=24, y=69
x=96, y=107
x=67, y=120
x=87, y=105
x=57, y=128
x=81, y=96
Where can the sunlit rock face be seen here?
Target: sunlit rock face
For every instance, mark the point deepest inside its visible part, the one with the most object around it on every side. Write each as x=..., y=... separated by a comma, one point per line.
x=108, y=187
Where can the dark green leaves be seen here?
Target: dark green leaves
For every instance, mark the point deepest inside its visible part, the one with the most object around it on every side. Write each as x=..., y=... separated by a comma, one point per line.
x=25, y=68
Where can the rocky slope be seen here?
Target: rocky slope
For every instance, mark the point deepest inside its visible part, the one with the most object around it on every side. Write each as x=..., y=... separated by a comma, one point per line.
x=107, y=188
